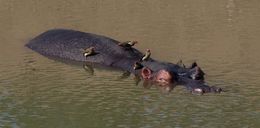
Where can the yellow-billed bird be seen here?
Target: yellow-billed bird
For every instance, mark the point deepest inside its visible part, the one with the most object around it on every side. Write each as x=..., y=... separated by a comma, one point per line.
x=128, y=44
x=89, y=51
x=179, y=63
x=138, y=65
x=147, y=55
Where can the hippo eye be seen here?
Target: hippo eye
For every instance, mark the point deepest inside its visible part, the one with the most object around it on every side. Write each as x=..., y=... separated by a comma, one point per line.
x=162, y=80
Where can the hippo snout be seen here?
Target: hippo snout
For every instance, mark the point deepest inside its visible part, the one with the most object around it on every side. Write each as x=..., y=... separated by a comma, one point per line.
x=206, y=89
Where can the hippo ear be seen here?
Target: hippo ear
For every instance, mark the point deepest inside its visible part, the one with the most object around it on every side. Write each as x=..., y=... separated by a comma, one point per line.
x=193, y=65
x=146, y=73
x=197, y=73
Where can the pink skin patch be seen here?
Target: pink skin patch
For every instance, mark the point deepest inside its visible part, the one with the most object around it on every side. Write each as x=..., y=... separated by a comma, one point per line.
x=164, y=77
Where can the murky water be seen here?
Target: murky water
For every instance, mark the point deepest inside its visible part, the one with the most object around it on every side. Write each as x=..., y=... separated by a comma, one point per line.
x=222, y=36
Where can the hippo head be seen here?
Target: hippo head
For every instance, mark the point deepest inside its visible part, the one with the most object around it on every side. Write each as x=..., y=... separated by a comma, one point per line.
x=168, y=73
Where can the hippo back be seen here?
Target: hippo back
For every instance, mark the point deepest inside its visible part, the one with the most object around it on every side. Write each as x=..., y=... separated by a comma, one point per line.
x=68, y=44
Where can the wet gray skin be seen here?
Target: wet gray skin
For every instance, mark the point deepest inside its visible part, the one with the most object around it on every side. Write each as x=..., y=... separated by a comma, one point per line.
x=68, y=44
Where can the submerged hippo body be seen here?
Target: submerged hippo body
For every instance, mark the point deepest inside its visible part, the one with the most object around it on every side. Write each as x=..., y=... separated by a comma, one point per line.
x=68, y=44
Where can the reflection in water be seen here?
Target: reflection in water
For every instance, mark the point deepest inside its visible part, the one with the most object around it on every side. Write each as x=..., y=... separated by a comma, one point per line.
x=162, y=88
x=230, y=10
x=165, y=89
x=137, y=79
x=125, y=75
x=89, y=68
x=223, y=36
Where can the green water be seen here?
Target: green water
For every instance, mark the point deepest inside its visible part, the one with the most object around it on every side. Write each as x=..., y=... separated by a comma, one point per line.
x=221, y=35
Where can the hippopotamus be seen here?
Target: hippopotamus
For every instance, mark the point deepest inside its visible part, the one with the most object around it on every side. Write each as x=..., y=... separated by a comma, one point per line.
x=69, y=44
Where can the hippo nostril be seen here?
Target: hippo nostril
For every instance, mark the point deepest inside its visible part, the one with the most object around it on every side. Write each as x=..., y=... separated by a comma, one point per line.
x=215, y=89
x=219, y=90
x=198, y=91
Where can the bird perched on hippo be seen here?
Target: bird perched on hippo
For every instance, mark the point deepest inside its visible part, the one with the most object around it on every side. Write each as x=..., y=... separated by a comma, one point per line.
x=87, y=47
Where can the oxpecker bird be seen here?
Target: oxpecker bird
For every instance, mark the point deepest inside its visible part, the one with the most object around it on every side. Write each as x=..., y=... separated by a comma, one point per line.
x=128, y=44
x=147, y=55
x=89, y=51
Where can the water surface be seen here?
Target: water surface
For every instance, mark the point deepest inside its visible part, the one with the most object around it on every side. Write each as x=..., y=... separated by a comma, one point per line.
x=222, y=36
